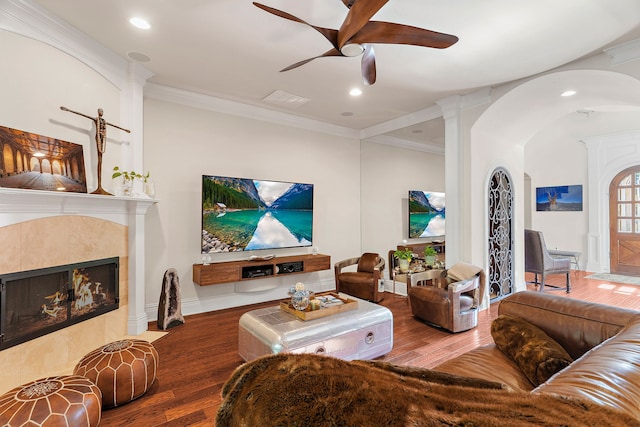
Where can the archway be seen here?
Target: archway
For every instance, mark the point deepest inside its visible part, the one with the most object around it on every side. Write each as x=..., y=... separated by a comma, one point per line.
x=499, y=136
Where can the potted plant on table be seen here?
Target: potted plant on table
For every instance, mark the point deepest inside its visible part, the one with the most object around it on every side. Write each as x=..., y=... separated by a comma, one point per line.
x=404, y=257
x=430, y=255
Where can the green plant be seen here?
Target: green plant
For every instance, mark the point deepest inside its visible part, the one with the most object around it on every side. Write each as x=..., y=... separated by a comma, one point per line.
x=405, y=253
x=128, y=176
x=430, y=251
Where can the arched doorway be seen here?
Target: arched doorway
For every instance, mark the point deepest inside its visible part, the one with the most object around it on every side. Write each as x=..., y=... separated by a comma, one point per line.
x=500, y=277
x=624, y=221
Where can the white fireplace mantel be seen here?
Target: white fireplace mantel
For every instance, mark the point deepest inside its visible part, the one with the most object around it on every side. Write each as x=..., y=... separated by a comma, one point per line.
x=17, y=205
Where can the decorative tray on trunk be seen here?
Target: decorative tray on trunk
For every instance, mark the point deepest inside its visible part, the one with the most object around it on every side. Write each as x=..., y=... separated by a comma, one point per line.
x=344, y=304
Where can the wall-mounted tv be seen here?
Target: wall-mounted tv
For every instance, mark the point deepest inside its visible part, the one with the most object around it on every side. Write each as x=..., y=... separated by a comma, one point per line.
x=241, y=214
x=426, y=214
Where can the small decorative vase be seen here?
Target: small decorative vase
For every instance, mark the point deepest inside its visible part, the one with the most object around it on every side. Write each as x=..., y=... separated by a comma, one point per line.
x=404, y=265
x=430, y=260
x=149, y=188
x=127, y=187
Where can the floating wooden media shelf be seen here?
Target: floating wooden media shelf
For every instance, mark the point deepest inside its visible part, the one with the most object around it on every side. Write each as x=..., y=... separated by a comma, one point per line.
x=235, y=271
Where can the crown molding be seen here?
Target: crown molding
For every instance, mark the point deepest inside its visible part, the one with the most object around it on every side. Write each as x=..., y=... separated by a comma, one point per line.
x=410, y=145
x=219, y=105
x=29, y=19
x=625, y=52
x=411, y=119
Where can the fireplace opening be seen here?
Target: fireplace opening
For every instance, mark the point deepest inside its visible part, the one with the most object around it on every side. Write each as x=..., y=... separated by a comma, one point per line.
x=37, y=302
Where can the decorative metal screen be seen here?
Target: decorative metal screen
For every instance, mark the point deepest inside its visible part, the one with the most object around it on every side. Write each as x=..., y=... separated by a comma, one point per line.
x=36, y=302
x=500, y=275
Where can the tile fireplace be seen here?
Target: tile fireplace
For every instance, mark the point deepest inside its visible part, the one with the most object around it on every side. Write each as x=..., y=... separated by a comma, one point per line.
x=45, y=229
x=37, y=302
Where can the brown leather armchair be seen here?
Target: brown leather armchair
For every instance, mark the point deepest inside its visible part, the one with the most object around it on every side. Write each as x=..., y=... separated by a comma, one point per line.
x=362, y=283
x=538, y=261
x=453, y=307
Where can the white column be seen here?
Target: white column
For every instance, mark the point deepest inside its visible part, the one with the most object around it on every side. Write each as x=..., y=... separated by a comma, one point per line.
x=454, y=173
x=594, y=262
x=132, y=103
x=137, y=321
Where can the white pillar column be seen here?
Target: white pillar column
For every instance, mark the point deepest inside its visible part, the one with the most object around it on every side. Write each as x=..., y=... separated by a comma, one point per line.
x=453, y=164
x=133, y=114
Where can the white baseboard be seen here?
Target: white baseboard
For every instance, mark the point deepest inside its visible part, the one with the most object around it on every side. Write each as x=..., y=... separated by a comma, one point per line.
x=220, y=302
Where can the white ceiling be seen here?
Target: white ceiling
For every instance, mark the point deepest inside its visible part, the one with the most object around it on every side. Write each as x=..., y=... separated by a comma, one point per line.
x=233, y=50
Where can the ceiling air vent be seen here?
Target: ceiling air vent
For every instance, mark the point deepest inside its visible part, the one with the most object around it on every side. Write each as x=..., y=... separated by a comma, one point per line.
x=284, y=99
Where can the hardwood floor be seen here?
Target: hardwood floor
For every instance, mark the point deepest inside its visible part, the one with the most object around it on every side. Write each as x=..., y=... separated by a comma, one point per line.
x=196, y=358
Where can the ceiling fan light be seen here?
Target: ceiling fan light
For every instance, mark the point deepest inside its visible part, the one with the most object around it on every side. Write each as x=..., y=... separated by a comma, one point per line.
x=352, y=49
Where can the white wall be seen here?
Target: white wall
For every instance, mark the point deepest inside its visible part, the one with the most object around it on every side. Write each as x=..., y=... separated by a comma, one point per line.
x=553, y=158
x=36, y=79
x=388, y=173
x=183, y=143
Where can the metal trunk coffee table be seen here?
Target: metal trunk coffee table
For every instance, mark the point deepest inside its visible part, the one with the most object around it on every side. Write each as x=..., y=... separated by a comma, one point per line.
x=362, y=333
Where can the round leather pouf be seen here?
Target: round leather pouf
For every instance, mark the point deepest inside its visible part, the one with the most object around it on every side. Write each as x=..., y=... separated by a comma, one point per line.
x=68, y=400
x=123, y=370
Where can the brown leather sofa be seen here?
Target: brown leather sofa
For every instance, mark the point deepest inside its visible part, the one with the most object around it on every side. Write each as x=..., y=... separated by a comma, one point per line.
x=597, y=383
x=604, y=342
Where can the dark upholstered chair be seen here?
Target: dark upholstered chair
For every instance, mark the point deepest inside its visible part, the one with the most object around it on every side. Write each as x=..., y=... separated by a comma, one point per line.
x=538, y=261
x=362, y=283
x=453, y=307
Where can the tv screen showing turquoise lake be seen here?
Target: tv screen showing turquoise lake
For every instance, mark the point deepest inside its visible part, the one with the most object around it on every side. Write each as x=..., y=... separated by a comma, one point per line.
x=426, y=214
x=240, y=214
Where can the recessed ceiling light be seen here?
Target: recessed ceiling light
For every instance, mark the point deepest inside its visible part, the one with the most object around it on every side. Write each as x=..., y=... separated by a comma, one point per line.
x=568, y=93
x=355, y=92
x=140, y=23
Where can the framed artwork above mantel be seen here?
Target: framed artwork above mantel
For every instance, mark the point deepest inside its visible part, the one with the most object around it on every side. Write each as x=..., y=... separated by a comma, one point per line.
x=36, y=162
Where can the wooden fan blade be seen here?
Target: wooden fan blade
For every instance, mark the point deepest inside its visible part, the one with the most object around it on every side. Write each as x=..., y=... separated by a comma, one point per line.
x=332, y=52
x=359, y=14
x=388, y=32
x=328, y=33
x=369, y=65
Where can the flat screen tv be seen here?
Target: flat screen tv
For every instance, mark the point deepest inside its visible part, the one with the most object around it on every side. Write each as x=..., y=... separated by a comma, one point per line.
x=426, y=214
x=241, y=214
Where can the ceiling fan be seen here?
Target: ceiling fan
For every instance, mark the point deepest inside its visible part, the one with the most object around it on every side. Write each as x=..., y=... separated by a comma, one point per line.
x=357, y=34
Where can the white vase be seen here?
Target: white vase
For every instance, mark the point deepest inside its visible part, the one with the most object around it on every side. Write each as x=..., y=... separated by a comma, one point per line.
x=149, y=188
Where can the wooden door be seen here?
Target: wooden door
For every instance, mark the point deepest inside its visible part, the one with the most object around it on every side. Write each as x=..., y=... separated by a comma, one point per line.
x=624, y=222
